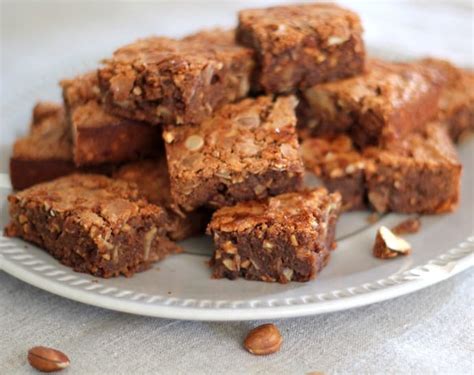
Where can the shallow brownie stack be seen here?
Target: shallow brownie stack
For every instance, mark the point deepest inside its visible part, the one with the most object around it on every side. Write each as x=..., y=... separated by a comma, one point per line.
x=167, y=132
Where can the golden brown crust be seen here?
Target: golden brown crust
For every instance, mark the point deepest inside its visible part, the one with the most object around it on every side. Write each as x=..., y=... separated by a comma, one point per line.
x=456, y=105
x=419, y=175
x=163, y=80
x=98, y=136
x=387, y=102
x=284, y=238
x=49, y=131
x=340, y=166
x=239, y=144
x=92, y=223
x=298, y=46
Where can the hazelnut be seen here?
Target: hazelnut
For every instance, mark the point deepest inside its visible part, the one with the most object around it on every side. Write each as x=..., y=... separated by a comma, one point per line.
x=47, y=359
x=263, y=340
x=389, y=245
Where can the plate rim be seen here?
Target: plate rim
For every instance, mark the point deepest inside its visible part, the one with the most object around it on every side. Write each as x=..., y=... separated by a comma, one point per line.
x=13, y=260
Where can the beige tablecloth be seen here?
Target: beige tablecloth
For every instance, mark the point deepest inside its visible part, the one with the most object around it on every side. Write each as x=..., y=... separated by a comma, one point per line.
x=430, y=331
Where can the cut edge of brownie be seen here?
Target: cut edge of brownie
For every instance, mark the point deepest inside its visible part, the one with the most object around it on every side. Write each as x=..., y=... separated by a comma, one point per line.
x=420, y=175
x=254, y=244
x=83, y=237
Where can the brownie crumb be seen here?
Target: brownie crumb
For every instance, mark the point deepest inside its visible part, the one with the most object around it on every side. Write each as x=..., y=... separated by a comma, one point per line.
x=411, y=225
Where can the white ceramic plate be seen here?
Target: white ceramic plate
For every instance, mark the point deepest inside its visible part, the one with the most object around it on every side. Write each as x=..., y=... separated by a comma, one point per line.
x=181, y=288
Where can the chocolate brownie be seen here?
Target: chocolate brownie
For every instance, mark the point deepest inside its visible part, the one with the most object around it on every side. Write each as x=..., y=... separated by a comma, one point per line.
x=299, y=46
x=92, y=223
x=98, y=136
x=456, y=105
x=339, y=165
x=152, y=179
x=247, y=150
x=284, y=238
x=46, y=152
x=163, y=80
x=387, y=102
x=421, y=174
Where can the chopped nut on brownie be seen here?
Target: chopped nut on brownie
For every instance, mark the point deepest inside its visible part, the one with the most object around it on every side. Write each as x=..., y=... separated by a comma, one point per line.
x=284, y=238
x=389, y=245
x=298, y=46
x=92, y=223
x=247, y=150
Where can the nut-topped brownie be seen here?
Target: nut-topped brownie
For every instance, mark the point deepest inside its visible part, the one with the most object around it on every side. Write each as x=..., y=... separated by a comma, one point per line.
x=339, y=165
x=92, y=223
x=420, y=174
x=247, y=150
x=284, y=238
x=98, y=136
x=152, y=179
x=387, y=102
x=163, y=80
x=299, y=46
x=456, y=105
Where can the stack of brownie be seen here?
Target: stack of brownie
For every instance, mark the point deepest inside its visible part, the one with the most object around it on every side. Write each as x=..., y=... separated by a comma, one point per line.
x=167, y=132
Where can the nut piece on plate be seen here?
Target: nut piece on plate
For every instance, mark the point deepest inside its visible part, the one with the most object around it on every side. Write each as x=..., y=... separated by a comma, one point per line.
x=47, y=359
x=263, y=340
x=389, y=245
x=411, y=225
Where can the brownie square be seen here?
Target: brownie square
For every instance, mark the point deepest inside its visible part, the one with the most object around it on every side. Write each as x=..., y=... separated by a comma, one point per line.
x=98, y=136
x=163, y=80
x=92, y=223
x=340, y=167
x=299, y=46
x=46, y=152
x=387, y=102
x=456, y=105
x=284, y=238
x=152, y=179
x=247, y=150
x=420, y=174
